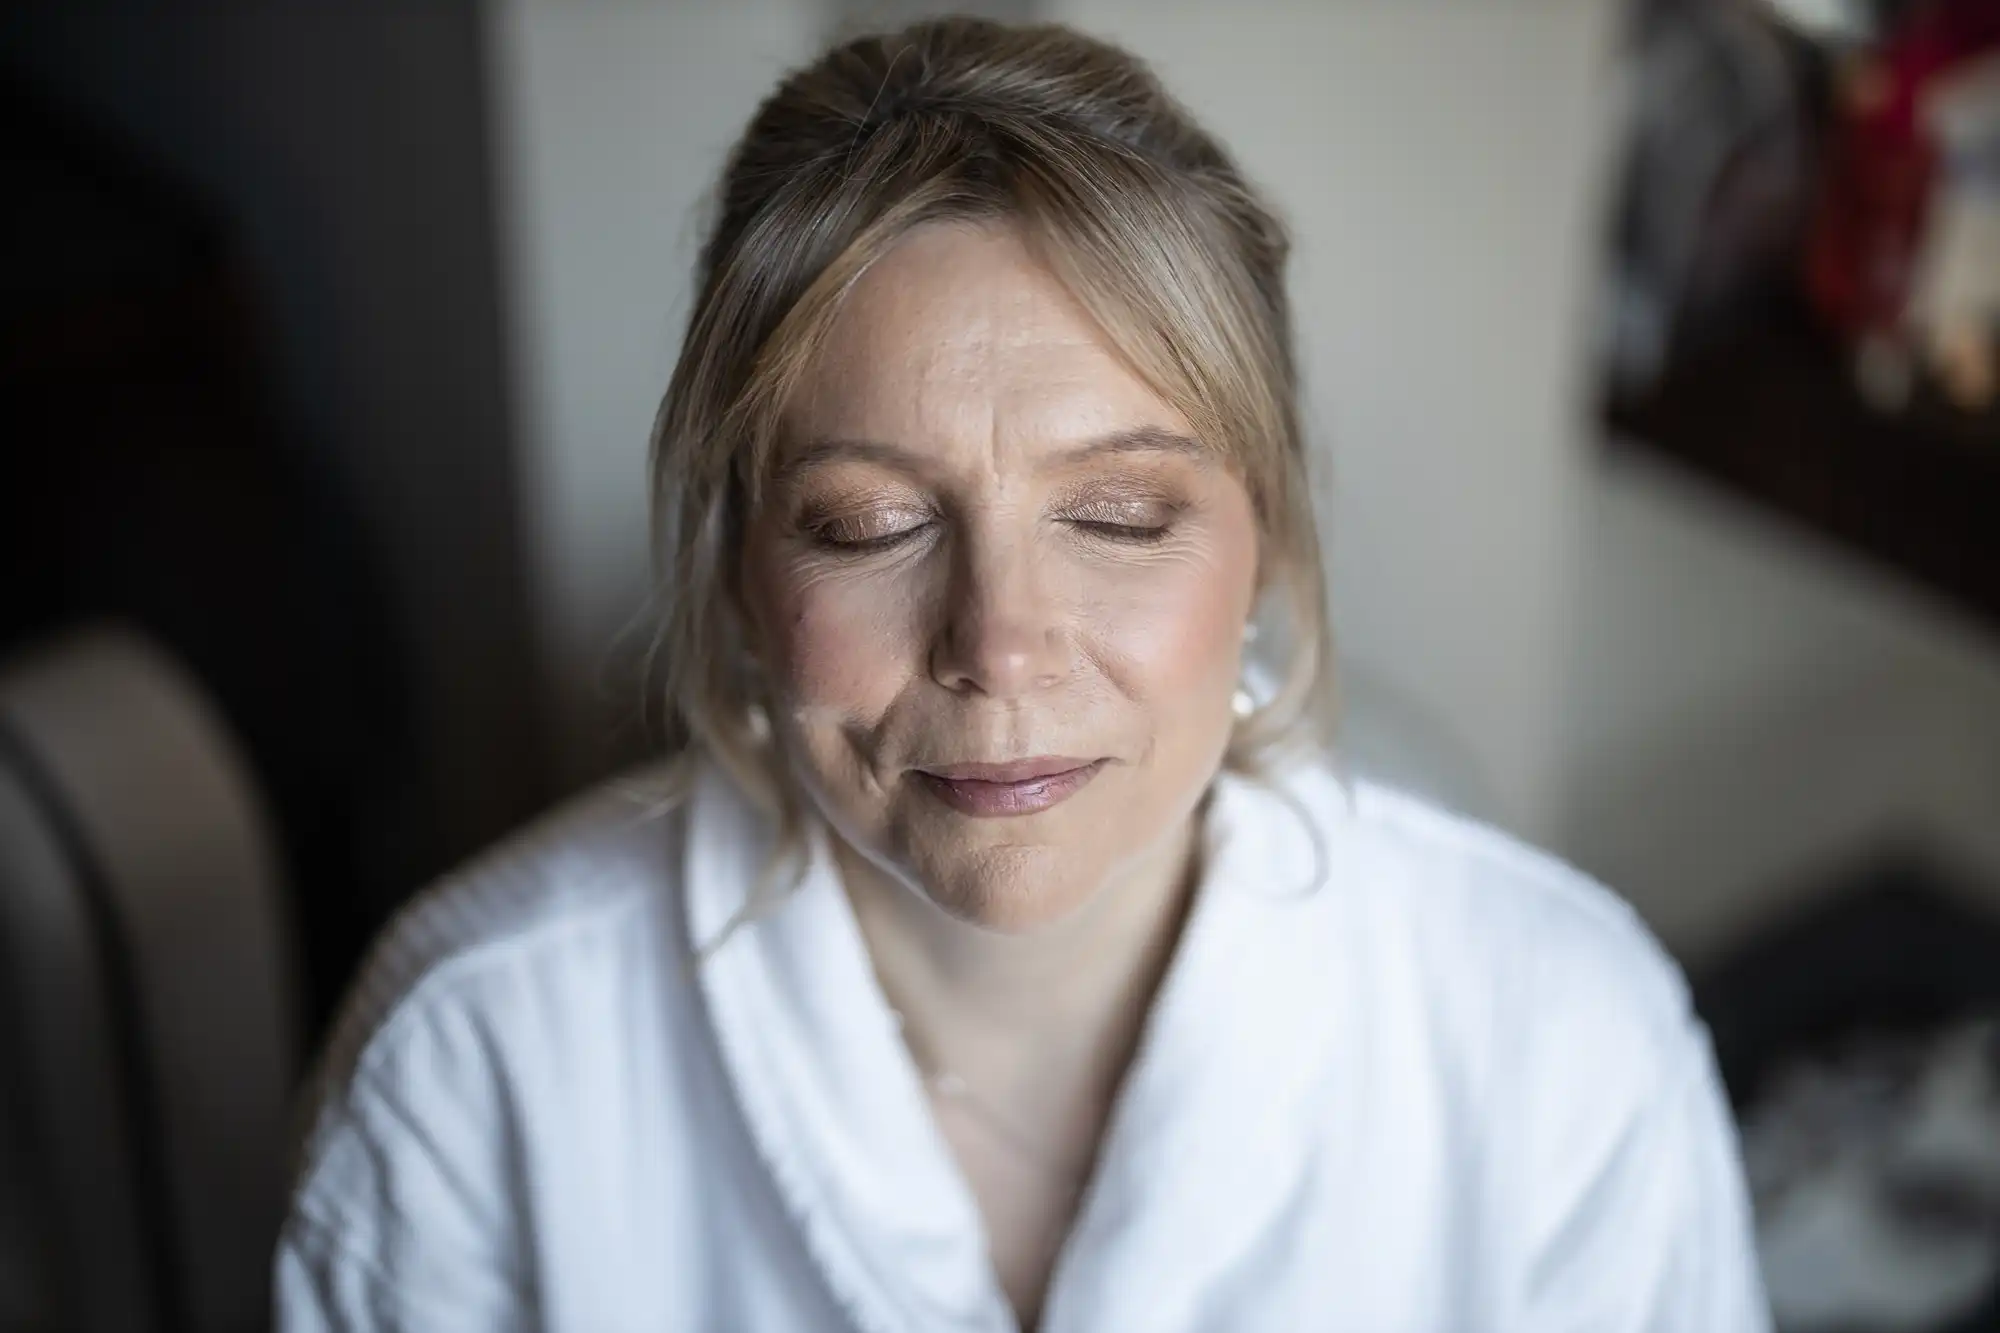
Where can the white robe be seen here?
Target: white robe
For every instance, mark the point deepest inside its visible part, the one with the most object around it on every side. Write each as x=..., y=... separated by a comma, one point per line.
x=1447, y=1085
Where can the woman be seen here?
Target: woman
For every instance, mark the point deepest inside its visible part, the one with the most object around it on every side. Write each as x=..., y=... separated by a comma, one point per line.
x=988, y=956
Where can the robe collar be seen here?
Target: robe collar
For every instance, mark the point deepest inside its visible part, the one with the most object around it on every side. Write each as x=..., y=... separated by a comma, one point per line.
x=1201, y=1155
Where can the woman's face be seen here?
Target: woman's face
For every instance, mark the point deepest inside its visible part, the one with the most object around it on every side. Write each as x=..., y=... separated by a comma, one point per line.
x=998, y=589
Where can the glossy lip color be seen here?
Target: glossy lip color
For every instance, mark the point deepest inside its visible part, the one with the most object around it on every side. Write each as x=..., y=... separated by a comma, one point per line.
x=992, y=790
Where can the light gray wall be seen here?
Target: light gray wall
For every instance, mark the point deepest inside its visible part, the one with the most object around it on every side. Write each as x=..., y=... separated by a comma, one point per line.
x=1754, y=709
x=611, y=123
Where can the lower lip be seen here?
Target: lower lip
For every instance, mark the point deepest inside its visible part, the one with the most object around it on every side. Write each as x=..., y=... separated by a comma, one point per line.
x=993, y=799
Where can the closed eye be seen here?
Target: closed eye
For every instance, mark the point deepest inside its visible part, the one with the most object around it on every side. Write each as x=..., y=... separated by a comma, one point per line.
x=845, y=537
x=1138, y=535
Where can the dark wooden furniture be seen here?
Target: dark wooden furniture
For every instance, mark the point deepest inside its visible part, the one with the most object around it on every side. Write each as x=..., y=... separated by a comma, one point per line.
x=1771, y=413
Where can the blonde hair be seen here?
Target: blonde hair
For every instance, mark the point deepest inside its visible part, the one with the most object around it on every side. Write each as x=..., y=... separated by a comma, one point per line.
x=1134, y=208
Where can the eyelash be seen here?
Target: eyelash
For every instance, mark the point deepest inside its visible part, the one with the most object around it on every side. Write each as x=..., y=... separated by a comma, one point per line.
x=1124, y=532
x=823, y=537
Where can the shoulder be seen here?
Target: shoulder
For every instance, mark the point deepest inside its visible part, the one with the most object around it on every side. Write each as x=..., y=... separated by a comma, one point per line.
x=561, y=904
x=1537, y=905
x=1521, y=1015
x=1544, y=975
x=503, y=979
x=1525, y=917
x=1543, y=1002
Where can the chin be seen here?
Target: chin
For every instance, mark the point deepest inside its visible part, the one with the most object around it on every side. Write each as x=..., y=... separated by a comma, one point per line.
x=1011, y=891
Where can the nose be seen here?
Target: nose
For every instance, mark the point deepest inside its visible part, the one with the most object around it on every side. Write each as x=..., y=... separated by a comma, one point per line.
x=1001, y=632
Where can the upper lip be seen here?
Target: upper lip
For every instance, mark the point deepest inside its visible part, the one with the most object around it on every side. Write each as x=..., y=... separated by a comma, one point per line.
x=1017, y=770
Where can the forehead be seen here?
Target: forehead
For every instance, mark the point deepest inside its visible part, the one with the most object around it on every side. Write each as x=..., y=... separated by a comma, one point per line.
x=959, y=344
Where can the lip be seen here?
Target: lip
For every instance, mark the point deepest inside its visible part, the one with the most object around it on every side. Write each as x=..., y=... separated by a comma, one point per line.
x=1023, y=787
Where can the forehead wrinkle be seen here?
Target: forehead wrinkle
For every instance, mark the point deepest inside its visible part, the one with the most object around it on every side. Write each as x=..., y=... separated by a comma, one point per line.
x=985, y=380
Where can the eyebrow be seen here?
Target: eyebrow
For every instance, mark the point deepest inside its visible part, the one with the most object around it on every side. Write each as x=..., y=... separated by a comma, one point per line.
x=1135, y=440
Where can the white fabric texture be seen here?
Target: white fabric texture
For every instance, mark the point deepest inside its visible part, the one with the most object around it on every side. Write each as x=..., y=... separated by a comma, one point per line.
x=1416, y=1078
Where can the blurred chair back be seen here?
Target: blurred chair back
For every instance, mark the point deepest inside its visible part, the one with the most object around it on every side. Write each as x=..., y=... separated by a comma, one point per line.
x=146, y=996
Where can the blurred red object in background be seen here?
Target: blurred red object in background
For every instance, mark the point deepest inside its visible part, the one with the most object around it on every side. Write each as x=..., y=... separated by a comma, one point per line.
x=1864, y=244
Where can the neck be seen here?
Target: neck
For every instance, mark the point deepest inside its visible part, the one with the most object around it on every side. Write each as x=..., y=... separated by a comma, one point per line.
x=1067, y=999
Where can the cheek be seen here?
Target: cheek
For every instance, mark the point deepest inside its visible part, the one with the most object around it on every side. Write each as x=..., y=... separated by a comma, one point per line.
x=836, y=643
x=1170, y=647
x=1175, y=633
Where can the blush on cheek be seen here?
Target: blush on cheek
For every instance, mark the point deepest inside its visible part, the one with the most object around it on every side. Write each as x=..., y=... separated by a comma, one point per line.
x=1180, y=638
x=843, y=651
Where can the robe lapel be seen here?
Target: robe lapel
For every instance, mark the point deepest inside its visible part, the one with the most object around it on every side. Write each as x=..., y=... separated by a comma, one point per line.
x=1201, y=1155
x=829, y=1091
x=1203, y=1159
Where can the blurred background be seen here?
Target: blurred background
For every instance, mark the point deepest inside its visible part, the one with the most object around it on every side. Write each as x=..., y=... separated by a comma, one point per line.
x=1654, y=349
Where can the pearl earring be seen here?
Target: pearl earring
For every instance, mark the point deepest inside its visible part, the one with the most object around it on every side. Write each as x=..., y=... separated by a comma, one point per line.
x=1242, y=702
